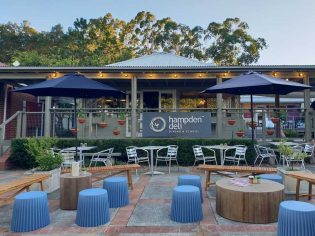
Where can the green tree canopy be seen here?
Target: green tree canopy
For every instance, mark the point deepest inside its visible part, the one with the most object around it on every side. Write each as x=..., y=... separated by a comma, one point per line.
x=105, y=40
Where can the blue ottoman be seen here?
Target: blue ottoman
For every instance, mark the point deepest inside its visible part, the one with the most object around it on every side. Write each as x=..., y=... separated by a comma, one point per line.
x=93, y=208
x=186, y=204
x=272, y=177
x=30, y=211
x=296, y=218
x=117, y=188
x=193, y=180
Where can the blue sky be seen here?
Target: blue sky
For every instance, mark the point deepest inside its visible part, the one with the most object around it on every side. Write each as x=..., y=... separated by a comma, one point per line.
x=287, y=25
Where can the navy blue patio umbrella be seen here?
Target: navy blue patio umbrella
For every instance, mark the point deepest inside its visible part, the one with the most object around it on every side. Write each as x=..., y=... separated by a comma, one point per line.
x=252, y=83
x=70, y=85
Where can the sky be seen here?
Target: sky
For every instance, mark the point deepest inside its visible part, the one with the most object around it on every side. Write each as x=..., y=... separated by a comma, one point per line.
x=287, y=25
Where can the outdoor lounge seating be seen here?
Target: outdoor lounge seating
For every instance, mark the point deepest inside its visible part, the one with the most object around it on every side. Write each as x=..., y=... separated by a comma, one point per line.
x=291, y=159
x=199, y=155
x=9, y=189
x=103, y=156
x=170, y=156
x=296, y=218
x=68, y=158
x=264, y=153
x=98, y=172
x=93, y=208
x=193, y=180
x=272, y=177
x=117, y=189
x=186, y=204
x=238, y=156
x=30, y=212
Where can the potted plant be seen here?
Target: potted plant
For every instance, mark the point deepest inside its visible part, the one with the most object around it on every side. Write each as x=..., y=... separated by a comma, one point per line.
x=231, y=121
x=116, y=131
x=270, y=131
x=74, y=131
x=240, y=133
x=83, y=171
x=81, y=118
x=275, y=118
x=47, y=162
x=102, y=124
x=121, y=118
x=252, y=125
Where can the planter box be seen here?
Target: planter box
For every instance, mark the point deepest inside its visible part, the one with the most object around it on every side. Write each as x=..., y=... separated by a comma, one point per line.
x=290, y=183
x=51, y=184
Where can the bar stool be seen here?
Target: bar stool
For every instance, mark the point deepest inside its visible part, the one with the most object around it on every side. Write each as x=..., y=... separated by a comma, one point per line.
x=186, y=204
x=93, y=208
x=193, y=180
x=296, y=218
x=272, y=177
x=30, y=211
x=117, y=188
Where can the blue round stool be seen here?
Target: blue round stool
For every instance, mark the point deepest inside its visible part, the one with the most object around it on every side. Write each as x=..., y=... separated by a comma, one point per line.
x=193, y=180
x=117, y=188
x=93, y=208
x=296, y=218
x=30, y=211
x=272, y=177
x=186, y=204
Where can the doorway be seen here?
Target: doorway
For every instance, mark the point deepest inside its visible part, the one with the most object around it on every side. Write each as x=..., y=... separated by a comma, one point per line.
x=150, y=100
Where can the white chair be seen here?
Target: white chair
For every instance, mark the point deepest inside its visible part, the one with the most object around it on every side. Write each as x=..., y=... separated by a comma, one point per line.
x=238, y=156
x=291, y=159
x=199, y=155
x=309, y=150
x=103, y=156
x=133, y=157
x=68, y=158
x=171, y=155
x=264, y=153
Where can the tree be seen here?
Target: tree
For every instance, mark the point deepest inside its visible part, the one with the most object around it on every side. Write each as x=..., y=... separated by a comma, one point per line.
x=231, y=44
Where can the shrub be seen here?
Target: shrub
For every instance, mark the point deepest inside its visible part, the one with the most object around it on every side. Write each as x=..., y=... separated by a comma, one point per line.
x=48, y=161
x=185, y=152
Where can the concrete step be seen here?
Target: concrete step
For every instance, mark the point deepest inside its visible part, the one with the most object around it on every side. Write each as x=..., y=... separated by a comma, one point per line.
x=4, y=160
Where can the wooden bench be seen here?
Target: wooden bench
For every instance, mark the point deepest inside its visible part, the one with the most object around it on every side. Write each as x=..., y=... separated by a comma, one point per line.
x=105, y=169
x=244, y=169
x=10, y=189
x=309, y=177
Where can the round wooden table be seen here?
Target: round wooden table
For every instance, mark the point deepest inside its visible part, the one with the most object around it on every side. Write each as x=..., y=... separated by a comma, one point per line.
x=255, y=203
x=70, y=186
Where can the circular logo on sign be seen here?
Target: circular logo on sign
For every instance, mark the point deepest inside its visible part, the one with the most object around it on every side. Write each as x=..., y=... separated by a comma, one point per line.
x=158, y=124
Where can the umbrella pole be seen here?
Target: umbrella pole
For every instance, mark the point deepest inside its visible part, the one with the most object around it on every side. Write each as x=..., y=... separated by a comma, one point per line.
x=252, y=117
x=76, y=128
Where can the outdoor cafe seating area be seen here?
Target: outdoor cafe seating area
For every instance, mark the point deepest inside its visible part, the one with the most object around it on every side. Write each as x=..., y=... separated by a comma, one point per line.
x=209, y=193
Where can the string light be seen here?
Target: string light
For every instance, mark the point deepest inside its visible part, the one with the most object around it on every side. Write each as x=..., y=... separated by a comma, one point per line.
x=101, y=74
x=274, y=73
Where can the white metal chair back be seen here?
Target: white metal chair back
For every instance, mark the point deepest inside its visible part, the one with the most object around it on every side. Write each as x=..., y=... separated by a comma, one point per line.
x=198, y=152
x=132, y=153
x=172, y=151
x=240, y=151
x=309, y=149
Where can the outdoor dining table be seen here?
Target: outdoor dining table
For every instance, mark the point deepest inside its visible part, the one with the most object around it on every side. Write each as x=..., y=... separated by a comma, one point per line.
x=221, y=148
x=81, y=149
x=151, y=149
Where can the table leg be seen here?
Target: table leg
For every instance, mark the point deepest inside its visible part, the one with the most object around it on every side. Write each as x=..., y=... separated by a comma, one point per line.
x=221, y=157
x=152, y=165
x=207, y=182
x=310, y=192
x=298, y=181
x=129, y=179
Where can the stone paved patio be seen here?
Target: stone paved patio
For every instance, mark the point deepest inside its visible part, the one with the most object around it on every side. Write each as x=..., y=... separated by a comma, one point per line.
x=147, y=213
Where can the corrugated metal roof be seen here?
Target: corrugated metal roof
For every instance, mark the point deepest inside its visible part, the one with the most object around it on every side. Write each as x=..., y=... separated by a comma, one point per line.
x=160, y=59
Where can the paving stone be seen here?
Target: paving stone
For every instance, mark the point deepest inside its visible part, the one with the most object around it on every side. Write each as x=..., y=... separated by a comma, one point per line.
x=152, y=214
x=160, y=192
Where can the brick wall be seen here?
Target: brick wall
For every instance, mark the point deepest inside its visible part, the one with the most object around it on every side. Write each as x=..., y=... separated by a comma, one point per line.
x=14, y=104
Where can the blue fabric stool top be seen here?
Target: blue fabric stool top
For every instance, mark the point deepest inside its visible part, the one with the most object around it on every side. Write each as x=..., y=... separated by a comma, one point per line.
x=186, y=204
x=93, y=208
x=30, y=211
x=272, y=177
x=117, y=188
x=296, y=218
x=193, y=180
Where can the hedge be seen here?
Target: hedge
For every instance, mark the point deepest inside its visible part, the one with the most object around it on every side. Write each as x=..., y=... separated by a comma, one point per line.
x=21, y=158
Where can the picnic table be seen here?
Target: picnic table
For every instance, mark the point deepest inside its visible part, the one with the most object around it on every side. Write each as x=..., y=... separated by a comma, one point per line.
x=300, y=176
x=244, y=169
